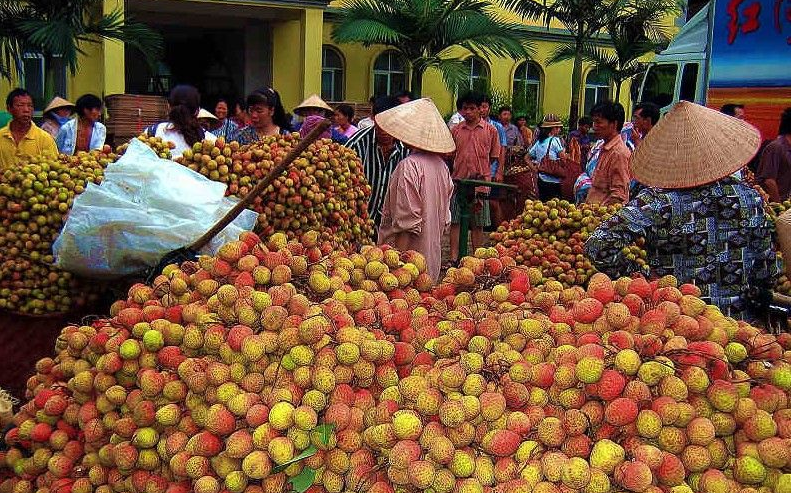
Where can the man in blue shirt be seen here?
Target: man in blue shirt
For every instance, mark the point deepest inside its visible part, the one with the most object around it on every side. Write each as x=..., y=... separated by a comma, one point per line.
x=499, y=163
x=486, y=108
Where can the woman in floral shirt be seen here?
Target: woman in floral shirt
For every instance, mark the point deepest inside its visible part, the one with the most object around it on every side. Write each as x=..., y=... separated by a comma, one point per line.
x=699, y=224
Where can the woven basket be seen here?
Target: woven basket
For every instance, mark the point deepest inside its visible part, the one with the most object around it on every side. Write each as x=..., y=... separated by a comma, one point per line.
x=130, y=114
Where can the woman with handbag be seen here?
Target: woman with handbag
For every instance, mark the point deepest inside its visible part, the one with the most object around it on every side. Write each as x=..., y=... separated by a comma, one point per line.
x=549, y=153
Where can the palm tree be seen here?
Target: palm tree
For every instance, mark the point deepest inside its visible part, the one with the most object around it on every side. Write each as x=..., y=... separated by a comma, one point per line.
x=61, y=28
x=426, y=33
x=583, y=19
x=635, y=28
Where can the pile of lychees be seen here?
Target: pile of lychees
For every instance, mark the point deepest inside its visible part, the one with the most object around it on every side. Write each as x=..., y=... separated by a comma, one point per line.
x=324, y=190
x=278, y=365
x=36, y=196
x=549, y=237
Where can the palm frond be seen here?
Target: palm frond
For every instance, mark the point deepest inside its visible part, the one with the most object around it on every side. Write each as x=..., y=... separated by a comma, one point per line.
x=367, y=22
x=428, y=31
x=562, y=53
x=59, y=27
x=11, y=39
x=53, y=37
x=453, y=71
x=538, y=10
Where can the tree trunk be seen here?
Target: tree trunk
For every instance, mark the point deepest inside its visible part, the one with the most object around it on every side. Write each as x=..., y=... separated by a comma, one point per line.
x=618, y=86
x=576, y=85
x=416, y=82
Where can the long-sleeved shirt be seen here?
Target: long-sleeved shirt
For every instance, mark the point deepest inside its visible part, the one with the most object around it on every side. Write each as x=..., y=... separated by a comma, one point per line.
x=715, y=236
x=67, y=137
x=611, y=178
x=418, y=203
x=376, y=166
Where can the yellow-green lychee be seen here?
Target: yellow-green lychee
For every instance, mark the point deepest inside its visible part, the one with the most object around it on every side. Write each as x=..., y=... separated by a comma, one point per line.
x=606, y=455
x=281, y=416
x=407, y=425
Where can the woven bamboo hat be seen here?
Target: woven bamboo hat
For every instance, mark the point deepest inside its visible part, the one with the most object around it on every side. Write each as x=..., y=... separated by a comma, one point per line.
x=693, y=145
x=418, y=124
x=551, y=120
x=57, y=103
x=206, y=114
x=313, y=102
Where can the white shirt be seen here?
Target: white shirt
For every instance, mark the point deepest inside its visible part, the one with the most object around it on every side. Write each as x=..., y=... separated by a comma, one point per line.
x=455, y=120
x=539, y=150
x=365, y=123
x=166, y=131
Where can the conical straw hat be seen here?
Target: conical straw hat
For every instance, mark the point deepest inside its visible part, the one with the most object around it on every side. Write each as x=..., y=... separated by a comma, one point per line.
x=314, y=101
x=58, y=102
x=418, y=124
x=694, y=145
x=206, y=114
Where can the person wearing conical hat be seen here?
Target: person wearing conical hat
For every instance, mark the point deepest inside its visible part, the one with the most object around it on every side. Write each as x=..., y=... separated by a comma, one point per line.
x=313, y=105
x=379, y=154
x=699, y=223
x=416, y=210
x=206, y=119
x=56, y=114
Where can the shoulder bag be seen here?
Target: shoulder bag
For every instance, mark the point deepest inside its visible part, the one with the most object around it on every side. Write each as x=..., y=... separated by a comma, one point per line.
x=553, y=167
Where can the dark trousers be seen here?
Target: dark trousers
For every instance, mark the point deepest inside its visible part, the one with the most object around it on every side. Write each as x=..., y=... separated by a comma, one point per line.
x=547, y=190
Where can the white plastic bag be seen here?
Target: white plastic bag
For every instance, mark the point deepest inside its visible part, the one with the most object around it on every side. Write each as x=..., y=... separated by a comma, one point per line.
x=144, y=208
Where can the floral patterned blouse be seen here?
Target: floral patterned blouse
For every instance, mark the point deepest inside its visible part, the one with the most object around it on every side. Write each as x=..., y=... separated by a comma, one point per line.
x=715, y=236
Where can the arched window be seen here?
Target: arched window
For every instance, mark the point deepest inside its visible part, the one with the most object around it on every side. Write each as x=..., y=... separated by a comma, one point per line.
x=331, y=74
x=390, y=73
x=527, y=90
x=477, y=75
x=597, y=88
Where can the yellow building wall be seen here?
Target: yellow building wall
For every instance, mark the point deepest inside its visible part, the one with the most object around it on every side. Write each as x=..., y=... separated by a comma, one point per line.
x=554, y=97
x=296, y=62
x=296, y=57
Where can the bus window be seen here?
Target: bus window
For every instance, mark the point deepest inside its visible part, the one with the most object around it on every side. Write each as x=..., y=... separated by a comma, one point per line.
x=689, y=82
x=660, y=85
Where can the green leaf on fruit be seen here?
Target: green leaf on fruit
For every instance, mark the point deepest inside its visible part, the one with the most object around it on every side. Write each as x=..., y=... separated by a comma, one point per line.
x=326, y=432
x=308, y=452
x=304, y=480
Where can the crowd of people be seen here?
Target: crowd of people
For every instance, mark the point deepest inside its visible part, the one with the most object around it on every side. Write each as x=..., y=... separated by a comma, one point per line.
x=678, y=179
x=678, y=176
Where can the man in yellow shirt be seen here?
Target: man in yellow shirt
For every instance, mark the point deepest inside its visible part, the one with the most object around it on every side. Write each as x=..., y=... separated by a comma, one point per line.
x=21, y=138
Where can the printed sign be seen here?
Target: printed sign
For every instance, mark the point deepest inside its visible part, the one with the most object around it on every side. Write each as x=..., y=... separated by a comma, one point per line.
x=751, y=44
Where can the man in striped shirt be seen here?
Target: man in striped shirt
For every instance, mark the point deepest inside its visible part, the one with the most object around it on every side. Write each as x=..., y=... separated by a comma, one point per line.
x=379, y=153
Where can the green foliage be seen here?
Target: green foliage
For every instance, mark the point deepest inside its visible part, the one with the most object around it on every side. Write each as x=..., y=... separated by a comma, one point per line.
x=326, y=432
x=308, y=452
x=584, y=19
x=63, y=28
x=635, y=28
x=426, y=32
x=304, y=480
